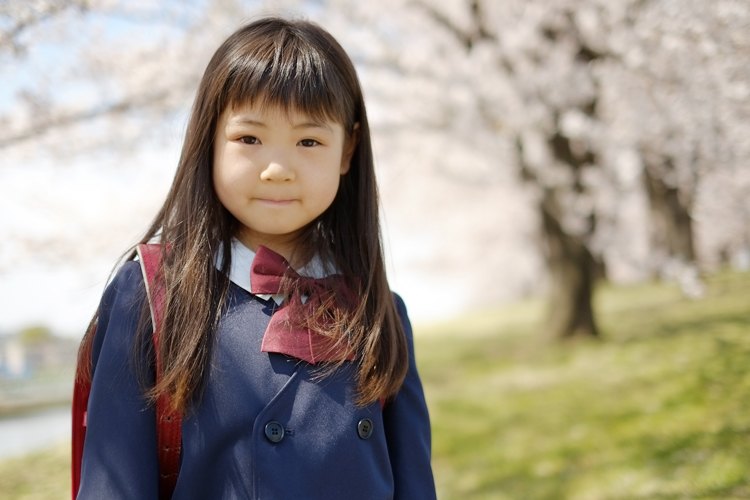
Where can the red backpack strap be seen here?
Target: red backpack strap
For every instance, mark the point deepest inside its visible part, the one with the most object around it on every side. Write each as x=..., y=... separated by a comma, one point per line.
x=168, y=421
x=81, y=390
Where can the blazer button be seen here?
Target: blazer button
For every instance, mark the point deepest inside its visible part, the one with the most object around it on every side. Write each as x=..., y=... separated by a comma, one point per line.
x=364, y=428
x=274, y=432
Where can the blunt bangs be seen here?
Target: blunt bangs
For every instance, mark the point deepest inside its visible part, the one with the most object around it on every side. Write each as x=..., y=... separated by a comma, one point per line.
x=292, y=69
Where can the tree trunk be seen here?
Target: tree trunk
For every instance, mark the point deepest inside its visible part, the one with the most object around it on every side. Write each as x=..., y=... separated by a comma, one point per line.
x=573, y=272
x=672, y=230
x=673, y=249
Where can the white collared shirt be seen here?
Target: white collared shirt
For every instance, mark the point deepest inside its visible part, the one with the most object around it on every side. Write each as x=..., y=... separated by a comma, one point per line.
x=242, y=261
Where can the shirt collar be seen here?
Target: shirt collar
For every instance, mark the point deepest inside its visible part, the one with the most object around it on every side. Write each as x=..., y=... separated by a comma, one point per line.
x=242, y=261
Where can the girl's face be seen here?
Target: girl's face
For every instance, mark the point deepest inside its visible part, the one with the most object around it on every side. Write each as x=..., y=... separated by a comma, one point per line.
x=277, y=171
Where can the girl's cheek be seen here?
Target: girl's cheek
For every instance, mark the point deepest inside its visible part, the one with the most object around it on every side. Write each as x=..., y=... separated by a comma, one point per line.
x=232, y=167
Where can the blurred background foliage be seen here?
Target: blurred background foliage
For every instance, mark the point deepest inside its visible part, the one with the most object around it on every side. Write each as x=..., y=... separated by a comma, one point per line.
x=588, y=151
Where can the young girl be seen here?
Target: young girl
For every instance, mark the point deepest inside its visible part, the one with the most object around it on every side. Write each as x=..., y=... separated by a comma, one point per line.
x=270, y=229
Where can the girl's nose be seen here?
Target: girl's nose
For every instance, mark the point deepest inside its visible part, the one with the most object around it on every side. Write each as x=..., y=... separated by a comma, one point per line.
x=277, y=172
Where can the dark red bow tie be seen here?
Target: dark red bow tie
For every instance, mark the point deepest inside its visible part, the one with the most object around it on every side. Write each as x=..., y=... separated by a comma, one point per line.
x=294, y=327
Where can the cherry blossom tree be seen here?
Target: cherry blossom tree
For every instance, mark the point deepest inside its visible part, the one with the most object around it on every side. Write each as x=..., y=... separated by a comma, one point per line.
x=613, y=124
x=592, y=96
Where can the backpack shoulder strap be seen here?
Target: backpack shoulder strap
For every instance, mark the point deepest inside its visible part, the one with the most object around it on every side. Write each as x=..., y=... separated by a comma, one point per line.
x=168, y=421
x=81, y=390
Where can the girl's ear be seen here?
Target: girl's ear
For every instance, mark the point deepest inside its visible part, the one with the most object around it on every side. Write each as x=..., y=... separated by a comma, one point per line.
x=350, y=146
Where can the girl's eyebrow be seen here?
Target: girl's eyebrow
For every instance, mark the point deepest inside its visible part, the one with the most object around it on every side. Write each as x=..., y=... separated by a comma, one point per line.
x=312, y=124
x=248, y=121
x=301, y=125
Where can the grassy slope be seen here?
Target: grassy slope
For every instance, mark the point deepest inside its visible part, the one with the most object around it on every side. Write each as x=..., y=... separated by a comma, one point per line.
x=659, y=410
x=41, y=476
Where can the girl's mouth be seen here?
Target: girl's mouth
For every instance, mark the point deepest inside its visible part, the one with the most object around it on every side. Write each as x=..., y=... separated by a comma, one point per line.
x=269, y=201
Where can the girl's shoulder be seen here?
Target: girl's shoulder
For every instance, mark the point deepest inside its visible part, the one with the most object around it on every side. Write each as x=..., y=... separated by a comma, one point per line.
x=128, y=272
x=400, y=305
x=127, y=283
x=121, y=307
x=402, y=313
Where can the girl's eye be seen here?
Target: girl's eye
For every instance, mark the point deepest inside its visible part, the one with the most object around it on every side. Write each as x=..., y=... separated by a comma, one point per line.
x=249, y=139
x=308, y=143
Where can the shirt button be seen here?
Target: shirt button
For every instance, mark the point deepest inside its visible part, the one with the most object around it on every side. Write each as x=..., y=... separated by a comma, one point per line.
x=364, y=428
x=274, y=432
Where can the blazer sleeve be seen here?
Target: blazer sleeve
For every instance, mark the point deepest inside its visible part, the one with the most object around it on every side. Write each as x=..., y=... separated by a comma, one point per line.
x=119, y=455
x=407, y=430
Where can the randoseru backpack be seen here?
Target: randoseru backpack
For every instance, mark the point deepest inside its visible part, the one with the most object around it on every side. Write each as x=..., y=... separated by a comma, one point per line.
x=168, y=422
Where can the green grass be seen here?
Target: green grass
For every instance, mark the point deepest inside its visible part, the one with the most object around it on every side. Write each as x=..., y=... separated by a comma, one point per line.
x=40, y=476
x=658, y=410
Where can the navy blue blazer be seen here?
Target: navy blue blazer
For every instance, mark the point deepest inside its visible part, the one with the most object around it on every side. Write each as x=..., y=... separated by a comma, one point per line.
x=226, y=453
